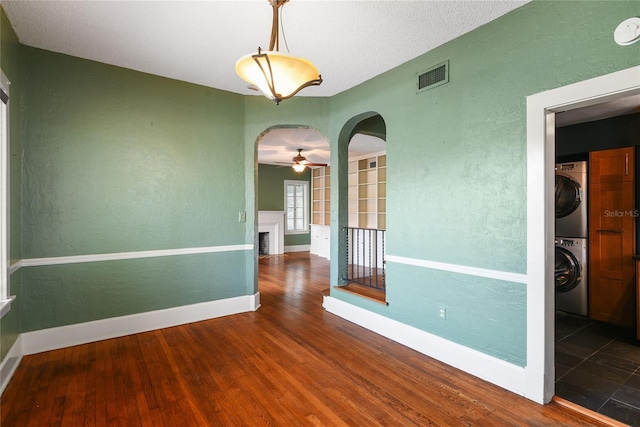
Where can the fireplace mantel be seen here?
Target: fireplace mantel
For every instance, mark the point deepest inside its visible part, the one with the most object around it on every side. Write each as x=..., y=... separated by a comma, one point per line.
x=272, y=222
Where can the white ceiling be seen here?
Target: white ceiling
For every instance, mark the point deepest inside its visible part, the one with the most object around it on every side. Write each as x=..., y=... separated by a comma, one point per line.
x=200, y=41
x=619, y=107
x=279, y=146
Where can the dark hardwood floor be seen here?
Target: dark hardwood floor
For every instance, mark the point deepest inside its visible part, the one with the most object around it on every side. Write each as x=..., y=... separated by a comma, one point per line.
x=288, y=364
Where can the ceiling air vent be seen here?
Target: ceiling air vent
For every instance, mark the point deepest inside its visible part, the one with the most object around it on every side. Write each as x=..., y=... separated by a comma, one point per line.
x=432, y=77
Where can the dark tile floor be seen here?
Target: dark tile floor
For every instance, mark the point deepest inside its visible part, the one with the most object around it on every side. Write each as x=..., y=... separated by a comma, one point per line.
x=598, y=367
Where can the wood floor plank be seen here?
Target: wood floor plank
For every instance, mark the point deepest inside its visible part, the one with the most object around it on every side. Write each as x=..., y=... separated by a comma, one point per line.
x=43, y=365
x=290, y=363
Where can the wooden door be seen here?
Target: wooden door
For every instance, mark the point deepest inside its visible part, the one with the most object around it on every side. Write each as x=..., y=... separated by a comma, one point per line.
x=612, y=236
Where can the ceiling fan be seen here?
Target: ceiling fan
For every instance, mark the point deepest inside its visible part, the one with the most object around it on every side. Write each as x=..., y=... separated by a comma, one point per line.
x=300, y=162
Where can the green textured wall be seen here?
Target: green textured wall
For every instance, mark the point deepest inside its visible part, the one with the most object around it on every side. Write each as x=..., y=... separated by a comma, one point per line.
x=271, y=195
x=456, y=162
x=59, y=295
x=119, y=161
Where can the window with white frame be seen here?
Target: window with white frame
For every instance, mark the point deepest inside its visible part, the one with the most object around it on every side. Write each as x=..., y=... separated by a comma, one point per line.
x=4, y=193
x=296, y=202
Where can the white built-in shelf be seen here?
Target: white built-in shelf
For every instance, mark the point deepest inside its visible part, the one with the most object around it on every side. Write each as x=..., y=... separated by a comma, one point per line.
x=321, y=200
x=367, y=199
x=368, y=190
x=367, y=193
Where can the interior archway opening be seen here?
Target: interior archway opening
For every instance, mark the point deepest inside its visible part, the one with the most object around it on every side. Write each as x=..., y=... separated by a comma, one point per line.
x=286, y=157
x=364, y=234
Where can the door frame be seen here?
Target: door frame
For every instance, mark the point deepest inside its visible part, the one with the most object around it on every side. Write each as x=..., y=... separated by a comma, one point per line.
x=541, y=110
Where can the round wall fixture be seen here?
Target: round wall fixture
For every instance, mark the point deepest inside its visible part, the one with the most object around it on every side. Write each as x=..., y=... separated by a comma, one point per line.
x=628, y=32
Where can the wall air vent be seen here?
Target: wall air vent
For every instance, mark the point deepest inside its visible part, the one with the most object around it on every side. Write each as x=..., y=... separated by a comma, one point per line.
x=432, y=77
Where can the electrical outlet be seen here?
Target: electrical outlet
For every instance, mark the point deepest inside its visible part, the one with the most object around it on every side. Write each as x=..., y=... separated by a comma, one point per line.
x=242, y=216
x=442, y=313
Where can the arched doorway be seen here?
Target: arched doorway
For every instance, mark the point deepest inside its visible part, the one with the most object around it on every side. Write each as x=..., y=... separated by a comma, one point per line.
x=361, y=234
x=283, y=195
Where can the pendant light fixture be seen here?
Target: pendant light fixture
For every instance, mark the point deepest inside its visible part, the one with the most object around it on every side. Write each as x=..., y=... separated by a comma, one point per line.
x=278, y=75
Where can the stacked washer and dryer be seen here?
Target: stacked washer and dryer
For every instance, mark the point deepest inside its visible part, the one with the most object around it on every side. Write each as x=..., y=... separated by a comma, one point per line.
x=572, y=293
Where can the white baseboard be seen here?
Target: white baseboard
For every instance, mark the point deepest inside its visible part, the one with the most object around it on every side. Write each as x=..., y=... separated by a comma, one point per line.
x=491, y=369
x=82, y=333
x=10, y=363
x=297, y=248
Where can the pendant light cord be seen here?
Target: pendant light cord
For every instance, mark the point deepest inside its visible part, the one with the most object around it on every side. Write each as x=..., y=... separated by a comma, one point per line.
x=284, y=37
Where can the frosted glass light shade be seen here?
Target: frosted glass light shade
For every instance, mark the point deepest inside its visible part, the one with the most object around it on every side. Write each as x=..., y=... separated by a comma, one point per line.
x=298, y=167
x=278, y=75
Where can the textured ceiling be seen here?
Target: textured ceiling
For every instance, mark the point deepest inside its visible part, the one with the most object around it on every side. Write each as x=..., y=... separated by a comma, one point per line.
x=200, y=41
